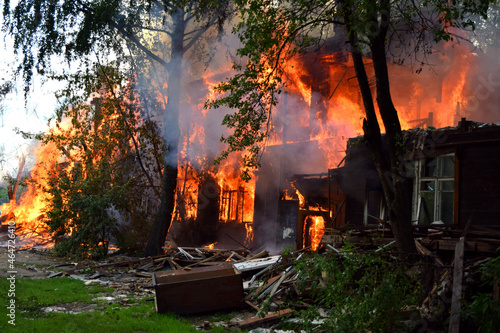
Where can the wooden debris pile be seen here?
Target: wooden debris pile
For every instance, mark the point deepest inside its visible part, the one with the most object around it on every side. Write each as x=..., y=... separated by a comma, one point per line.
x=270, y=283
x=484, y=239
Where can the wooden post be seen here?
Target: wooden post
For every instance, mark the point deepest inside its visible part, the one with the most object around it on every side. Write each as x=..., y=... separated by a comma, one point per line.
x=456, y=299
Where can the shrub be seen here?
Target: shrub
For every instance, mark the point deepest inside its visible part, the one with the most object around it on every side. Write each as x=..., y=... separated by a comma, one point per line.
x=358, y=292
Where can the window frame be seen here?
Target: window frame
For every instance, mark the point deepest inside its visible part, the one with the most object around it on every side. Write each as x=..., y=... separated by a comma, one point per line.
x=438, y=191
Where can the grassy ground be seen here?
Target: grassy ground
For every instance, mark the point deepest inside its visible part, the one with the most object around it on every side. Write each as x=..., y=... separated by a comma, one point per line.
x=31, y=295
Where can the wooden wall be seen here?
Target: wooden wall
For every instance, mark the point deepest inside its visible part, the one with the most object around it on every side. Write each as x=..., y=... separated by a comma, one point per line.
x=479, y=183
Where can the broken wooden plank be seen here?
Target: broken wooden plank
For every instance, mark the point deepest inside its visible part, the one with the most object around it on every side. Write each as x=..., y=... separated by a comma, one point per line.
x=173, y=264
x=261, y=254
x=450, y=245
x=204, y=261
x=119, y=263
x=200, y=253
x=187, y=255
x=239, y=257
x=146, y=266
x=271, y=317
x=256, y=263
x=255, y=307
x=426, y=252
x=262, y=288
x=55, y=274
x=142, y=274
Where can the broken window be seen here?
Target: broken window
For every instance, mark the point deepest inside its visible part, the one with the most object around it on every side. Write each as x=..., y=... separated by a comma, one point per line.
x=435, y=184
x=374, y=210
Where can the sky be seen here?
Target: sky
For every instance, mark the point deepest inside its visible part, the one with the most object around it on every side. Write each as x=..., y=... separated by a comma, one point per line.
x=28, y=115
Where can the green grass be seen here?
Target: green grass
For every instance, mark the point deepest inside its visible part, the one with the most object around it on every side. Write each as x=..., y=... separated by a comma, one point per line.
x=33, y=294
x=54, y=291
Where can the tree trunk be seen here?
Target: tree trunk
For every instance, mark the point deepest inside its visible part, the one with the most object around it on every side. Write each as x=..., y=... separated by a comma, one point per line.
x=394, y=186
x=171, y=132
x=12, y=189
x=399, y=200
x=163, y=218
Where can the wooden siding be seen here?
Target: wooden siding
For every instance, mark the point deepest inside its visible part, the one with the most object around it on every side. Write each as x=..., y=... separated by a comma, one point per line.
x=479, y=183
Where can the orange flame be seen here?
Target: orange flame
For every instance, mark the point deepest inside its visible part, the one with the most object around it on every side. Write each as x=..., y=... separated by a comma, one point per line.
x=211, y=246
x=316, y=230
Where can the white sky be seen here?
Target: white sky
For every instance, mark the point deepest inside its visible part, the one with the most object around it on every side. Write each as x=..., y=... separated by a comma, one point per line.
x=28, y=116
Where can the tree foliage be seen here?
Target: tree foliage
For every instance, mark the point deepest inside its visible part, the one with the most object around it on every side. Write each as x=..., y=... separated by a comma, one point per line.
x=110, y=162
x=77, y=29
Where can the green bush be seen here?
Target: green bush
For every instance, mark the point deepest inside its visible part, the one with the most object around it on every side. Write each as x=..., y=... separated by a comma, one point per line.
x=483, y=311
x=358, y=292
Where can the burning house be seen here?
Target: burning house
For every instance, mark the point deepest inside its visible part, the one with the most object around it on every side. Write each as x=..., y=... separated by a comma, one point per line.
x=308, y=181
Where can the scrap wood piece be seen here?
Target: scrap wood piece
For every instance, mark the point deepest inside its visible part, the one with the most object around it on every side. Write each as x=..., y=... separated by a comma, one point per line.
x=142, y=274
x=284, y=275
x=261, y=254
x=271, y=317
x=255, y=307
x=204, y=261
x=146, y=266
x=187, y=255
x=119, y=263
x=239, y=257
x=272, y=288
x=200, y=253
x=252, y=264
x=262, y=288
x=161, y=259
x=252, y=280
x=55, y=274
x=173, y=264
x=160, y=265
x=426, y=252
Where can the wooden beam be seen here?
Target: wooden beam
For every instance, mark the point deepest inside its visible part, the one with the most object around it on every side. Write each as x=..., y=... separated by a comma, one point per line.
x=456, y=299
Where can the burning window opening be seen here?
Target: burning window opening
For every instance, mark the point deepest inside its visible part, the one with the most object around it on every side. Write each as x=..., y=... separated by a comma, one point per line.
x=232, y=206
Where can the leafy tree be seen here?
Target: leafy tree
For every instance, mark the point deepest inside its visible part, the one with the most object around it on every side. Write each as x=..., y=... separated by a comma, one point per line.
x=111, y=156
x=4, y=197
x=273, y=32
x=162, y=31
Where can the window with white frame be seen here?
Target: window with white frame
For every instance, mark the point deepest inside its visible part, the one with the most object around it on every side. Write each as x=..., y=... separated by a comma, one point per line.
x=434, y=190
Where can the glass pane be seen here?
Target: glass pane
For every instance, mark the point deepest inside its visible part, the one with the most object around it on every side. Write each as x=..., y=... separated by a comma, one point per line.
x=427, y=185
x=426, y=214
x=446, y=207
x=429, y=168
x=446, y=185
x=446, y=166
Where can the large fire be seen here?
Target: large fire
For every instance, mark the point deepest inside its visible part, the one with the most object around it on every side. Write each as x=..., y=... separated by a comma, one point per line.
x=322, y=103
x=29, y=213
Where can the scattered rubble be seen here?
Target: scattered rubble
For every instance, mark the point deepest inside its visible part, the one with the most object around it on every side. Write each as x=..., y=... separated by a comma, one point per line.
x=261, y=281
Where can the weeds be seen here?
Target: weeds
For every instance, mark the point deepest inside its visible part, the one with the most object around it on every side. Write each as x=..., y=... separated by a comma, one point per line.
x=357, y=292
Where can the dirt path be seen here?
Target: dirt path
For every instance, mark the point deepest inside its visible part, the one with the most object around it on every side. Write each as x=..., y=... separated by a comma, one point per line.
x=28, y=263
